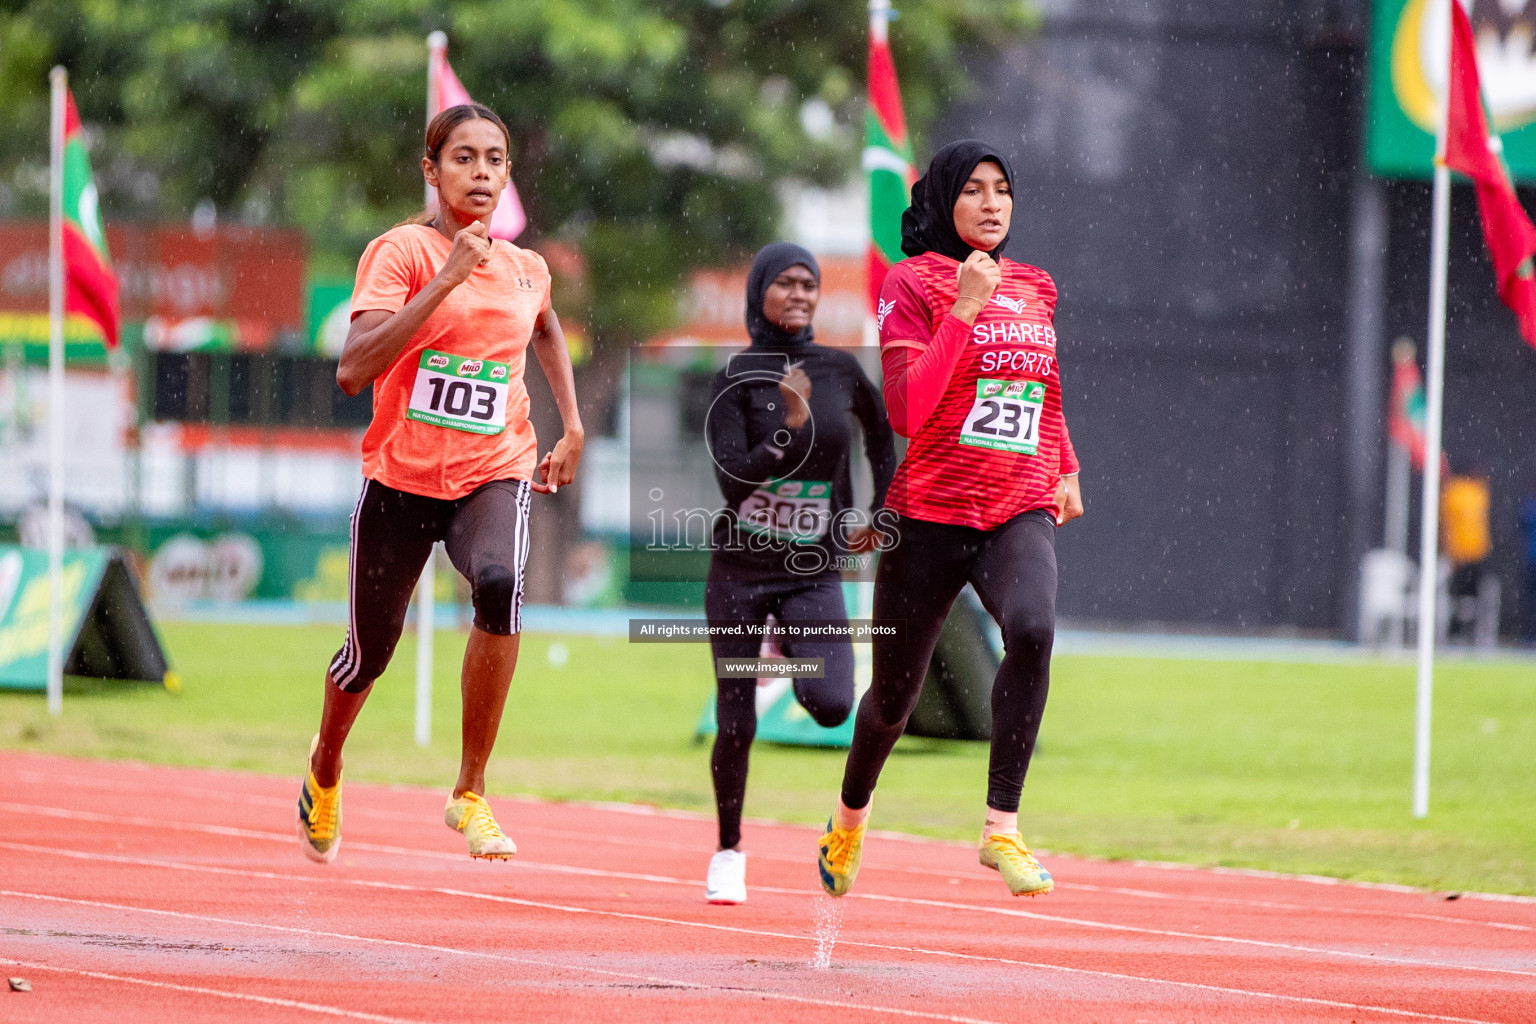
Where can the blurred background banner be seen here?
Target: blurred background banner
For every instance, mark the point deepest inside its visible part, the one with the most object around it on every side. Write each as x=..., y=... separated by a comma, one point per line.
x=1409, y=40
x=713, y=306
x=1233, y=264
x=230, y=288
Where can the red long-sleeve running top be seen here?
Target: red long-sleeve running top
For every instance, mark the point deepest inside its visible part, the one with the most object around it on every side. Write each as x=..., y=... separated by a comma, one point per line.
x=981, y=402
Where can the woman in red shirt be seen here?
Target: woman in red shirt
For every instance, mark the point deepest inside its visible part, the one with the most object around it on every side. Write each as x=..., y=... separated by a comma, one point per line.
x=968, y=350
x=442, y=318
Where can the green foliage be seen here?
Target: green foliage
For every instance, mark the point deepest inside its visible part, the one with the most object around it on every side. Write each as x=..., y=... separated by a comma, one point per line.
x=651, y=132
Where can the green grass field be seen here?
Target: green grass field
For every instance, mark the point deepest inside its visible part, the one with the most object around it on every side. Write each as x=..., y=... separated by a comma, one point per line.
x=1301, y=768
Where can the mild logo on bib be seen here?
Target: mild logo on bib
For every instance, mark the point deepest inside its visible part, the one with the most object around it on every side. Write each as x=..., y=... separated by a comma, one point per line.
x=1005, y=416
x=460, y=394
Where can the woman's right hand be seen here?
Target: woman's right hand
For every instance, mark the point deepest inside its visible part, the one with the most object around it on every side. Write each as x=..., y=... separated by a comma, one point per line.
x=796, y=389
x=471, y=249
x=979, y=277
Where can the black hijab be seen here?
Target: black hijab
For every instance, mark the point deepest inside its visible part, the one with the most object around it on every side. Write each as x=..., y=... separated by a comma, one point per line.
x=771, y=261
x=928, y=225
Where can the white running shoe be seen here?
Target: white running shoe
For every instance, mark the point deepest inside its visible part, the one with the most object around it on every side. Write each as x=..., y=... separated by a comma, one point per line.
x=727, y=882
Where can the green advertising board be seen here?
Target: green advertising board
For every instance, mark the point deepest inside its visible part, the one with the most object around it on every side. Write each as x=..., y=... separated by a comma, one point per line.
x=107, y=632
x=1409, y=44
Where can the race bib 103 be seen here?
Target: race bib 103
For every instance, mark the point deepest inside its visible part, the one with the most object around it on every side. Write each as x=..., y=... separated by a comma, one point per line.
x=797, y=511
x=460, y=394
x=1005, y=416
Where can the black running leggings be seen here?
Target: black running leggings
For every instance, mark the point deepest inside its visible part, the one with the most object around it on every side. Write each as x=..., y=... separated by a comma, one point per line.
x=739, y=597
x=1013, y=569
x=486, y=534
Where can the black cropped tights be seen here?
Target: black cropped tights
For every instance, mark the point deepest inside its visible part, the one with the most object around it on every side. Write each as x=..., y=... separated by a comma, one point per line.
x=1013, y=569
x=730, y=597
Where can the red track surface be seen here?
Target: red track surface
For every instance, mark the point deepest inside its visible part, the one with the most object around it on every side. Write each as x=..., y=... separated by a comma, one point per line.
x=118, y=909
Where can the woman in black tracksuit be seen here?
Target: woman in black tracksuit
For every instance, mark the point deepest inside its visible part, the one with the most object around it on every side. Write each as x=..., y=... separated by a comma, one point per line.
x=779, y=433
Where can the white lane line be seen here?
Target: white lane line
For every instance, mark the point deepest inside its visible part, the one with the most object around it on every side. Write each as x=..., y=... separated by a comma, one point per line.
x=288, y=1004
x=1231, y=901
x=407, y=887
x=659, y=844
x=942, y=953
x=759, y=993
x=162, y=824
x=1234, y=901
x=1386, y=960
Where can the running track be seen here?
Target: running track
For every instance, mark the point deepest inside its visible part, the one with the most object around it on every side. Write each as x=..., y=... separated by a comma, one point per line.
x=118, y=905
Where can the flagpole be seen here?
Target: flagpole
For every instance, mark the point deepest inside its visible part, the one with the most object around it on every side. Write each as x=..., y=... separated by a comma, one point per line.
x=58, y=79
x=1434, y=399
x=426, y=611
x=1399, y=492
x=879, y=31
x=880, y=19
x=1399, y=467
x=437, y=53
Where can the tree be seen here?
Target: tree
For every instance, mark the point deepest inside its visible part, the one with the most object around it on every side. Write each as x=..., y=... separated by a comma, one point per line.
x=651, y=133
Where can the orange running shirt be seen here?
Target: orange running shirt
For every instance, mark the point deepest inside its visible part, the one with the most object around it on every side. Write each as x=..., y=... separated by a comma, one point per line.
x=490, y=318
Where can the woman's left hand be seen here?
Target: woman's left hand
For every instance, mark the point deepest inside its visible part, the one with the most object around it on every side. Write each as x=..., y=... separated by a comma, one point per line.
x=1069, y=499
x=559, y=466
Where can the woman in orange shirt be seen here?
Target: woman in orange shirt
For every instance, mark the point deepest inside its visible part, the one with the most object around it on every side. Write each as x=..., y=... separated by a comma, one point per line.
x=442, y=318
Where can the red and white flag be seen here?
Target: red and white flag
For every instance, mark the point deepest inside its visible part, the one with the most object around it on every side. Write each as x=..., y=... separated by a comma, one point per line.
x=1472, y=150
x=1405, y=415
x=444, y=90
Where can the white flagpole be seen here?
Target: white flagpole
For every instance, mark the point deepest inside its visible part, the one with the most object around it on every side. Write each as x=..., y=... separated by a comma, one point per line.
x=426, y=612
x=1399, y=469
x=1434, y=395
x=58, y=78
x=437, y=54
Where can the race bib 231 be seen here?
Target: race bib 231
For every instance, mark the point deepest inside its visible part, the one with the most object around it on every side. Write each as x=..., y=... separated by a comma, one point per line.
x=1005, y=416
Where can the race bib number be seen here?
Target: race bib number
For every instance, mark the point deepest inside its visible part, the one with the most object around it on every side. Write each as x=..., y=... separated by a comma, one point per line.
x=460, y=394
x=1005, y=416
x=797, y=511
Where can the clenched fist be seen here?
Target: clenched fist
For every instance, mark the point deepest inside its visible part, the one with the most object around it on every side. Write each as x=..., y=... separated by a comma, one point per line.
x=471, y=249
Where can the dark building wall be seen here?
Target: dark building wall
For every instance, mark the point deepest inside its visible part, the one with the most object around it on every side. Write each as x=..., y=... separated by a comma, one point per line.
x=1490, y=380
x=1187, y=174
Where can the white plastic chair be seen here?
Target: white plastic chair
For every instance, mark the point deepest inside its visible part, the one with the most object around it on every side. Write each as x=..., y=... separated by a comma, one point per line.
x=1388, y=586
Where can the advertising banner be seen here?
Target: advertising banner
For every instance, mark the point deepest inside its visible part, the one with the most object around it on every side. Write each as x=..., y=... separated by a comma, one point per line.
x=234, y=288
x=1409, y=43
x=107, y=633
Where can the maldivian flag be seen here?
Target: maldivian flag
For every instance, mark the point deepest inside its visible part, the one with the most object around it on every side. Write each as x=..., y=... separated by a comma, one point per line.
x=887, y=159
x=509, y=219
x=1405, y=417
x=90, y=285
x=1471, y=149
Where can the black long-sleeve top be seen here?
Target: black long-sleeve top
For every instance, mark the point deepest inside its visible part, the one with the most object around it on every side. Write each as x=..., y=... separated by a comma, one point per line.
x=756, y=457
